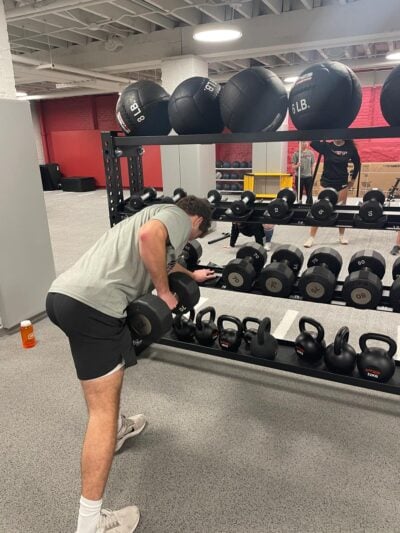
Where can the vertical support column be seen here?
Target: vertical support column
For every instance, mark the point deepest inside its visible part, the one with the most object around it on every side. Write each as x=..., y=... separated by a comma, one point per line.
x=112, y=166
x=190, y=167
x=271, y=157
x=7, y=84
x=135, y=169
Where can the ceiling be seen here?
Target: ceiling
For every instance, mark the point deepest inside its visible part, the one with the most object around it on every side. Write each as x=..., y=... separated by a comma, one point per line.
x=48, y=37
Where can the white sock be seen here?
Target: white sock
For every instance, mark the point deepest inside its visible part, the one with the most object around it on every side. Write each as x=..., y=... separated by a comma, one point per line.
x=89, y=515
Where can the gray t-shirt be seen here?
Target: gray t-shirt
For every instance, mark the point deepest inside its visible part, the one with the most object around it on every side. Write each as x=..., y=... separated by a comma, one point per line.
x=307, y=162
x=111, y=274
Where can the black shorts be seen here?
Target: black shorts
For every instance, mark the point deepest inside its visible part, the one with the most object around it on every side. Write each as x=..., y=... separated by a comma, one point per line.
x=99, y=342
x=337, y=185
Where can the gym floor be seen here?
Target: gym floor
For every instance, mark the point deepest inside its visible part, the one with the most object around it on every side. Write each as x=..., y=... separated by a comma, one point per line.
x=229, y=447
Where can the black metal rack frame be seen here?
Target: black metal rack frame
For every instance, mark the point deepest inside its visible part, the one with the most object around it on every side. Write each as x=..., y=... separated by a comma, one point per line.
x=115, y=146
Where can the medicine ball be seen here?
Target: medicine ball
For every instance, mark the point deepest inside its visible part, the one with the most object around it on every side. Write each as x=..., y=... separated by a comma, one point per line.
x=326, y=95
x=194, y=107
x=390, y=98
x=142, y=109
x=254, y=99
x=219, y=163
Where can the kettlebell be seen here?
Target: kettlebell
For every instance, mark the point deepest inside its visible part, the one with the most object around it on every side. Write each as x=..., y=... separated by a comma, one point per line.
x=376, y=364
x=310, y=346
x=249, y=333
x=263, y=344
x=231, y=338
x=184, y=327
x=340, y=356
x=206, y=331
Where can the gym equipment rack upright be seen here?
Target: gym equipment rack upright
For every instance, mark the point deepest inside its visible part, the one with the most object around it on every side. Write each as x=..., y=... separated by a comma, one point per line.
x=116, y=146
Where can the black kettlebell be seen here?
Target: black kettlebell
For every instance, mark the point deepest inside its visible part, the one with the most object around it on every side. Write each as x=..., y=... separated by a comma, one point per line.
x=231, y=338
x=249, y=333
x=184, y=327
x=376, y=364
x=263, y=344
x=206, y=331
x=340, y=356
x=310, y=346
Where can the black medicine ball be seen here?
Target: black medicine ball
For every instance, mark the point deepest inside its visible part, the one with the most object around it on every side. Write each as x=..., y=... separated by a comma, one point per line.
x=390, y=98
x=326, y=95
x=194, y=107
x=254, y=99
x=142, y=109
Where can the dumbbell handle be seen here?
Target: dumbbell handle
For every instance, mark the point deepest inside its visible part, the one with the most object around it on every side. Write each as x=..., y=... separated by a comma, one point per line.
x=178, y=195
x=212, y=198
x=283, y=261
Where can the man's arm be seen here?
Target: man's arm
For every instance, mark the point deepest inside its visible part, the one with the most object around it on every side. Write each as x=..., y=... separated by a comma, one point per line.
x=153, y=236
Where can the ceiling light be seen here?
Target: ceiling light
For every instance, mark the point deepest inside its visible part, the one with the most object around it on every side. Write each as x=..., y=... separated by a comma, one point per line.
x=393, y=56
x=217, y=35
x=21, y=94
x=291, y=79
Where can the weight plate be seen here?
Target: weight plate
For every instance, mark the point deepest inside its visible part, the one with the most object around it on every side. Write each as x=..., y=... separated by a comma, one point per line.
x=255, y=252
x=375, y=195
x=328, y=256
x=291, y=255
x=276, y=279
x=329, y=194
x=317, y=284
x=396, y=268
x=362, y=289
x=368, y=259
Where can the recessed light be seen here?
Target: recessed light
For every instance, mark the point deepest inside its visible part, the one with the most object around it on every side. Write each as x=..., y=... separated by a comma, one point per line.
x=217, y=36
x=291, y=79
x=393, y=56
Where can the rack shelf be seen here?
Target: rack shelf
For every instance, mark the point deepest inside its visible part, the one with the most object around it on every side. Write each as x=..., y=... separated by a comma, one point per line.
x=233, y=168
x=222, y=179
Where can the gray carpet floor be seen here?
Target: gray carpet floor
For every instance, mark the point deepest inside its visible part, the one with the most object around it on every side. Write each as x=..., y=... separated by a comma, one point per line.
x=230, y=448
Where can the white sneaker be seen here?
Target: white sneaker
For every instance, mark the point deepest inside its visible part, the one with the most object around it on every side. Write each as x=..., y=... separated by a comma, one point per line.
x=309, y=242
x=125, y=520
x=131, y=427
x=267, y=246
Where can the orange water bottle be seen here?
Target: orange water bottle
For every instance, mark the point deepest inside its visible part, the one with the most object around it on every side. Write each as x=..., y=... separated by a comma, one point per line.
x=27, y=334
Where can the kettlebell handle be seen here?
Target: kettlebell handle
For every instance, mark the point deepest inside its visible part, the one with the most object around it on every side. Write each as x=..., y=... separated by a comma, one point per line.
x=342, y=338
x=264, y=327
x=183, y=318
x=248, y=320
x=202, y=313
x=307, y=320
x=378, y=337
x=232, y=320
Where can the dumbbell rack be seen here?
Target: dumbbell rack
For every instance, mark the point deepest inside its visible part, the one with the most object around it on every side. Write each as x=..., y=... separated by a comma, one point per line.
x=115, y=146
x=218, y=283
x=288, y=361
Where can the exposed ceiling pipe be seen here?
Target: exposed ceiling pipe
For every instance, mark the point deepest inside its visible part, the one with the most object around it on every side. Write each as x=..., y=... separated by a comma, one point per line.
x=65, y=94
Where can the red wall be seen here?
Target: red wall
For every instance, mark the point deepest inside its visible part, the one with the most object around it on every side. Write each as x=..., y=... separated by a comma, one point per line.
x=371, y=150
x=72, y=136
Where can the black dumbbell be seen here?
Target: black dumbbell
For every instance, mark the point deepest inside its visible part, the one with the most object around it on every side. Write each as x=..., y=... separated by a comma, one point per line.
x=263, y=344
x=214, y=196
x=231, y=338
x=340, y=356
x=249, y=333
x=371, y=208
x=206, y=331
x=240, y=273
x=178, y=195
x=278, y=278
x=324, y=207
x=318, y=282
x=191, y=254
x=241, y=207
x=149, y=317
x=395, y=288
x=309, y=345
x=281, y=206
x=137, y=202
x=363, y=286
x=376, y=364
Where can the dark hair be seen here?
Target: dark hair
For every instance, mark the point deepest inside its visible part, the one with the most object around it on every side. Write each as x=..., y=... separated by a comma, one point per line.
x=197, y=206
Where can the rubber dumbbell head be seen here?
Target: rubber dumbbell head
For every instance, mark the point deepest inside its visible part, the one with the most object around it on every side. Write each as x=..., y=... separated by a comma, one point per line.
x=191, y=254
x=240, y=273
x=324, y=207
x=395, y=288
x=363, y=286
x=186, y=290
x=178, y=195
x=214, y=197
x=281, y=206
x=240, y=207
x=278, y=278
x=138, y=202
x=318, y=282
x=149, y=318
x=371, y=209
